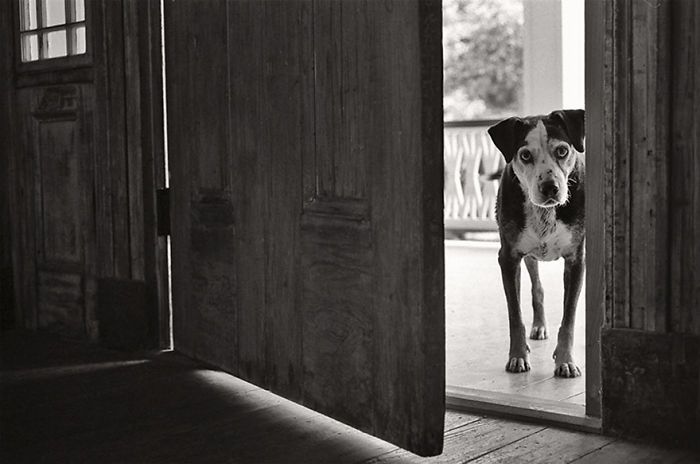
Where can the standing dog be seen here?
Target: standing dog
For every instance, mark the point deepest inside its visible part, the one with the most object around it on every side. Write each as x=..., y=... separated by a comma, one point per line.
x=540, y=214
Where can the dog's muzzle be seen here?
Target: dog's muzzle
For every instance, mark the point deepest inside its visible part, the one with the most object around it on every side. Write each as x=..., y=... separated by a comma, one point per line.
x=549, y=194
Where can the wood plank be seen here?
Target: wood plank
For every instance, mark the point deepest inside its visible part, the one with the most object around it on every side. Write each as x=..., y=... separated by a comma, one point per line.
x=546, y=446
x=203, y=206
x=134, y=140
x=621, y=120
x=648, y=150
x=251, y=145
x=409, y=283
x=104, y=232
x=685, y=170
x=288, y=106
x=467, y=443
x=521, y=407
x=598, y=30
x=455, y=419
x=116, y=141
x=619, y=451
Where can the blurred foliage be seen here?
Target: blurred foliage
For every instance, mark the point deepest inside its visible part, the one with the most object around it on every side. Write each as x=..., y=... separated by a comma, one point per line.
x=483, y=58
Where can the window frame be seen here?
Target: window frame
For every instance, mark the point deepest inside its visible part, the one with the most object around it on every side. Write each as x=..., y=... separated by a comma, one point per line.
x=57, y=63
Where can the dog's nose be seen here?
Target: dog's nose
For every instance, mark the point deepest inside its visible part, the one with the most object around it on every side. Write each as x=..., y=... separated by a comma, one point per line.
x=549, y=188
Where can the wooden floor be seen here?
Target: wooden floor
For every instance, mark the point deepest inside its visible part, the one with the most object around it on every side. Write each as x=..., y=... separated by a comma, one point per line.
x=477, y=326
x=67, y=402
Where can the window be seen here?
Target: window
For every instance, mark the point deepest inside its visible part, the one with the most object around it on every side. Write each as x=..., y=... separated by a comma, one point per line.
x=51, y=29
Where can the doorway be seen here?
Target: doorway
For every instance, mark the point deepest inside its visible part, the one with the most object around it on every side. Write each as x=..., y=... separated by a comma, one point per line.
x=504, y=58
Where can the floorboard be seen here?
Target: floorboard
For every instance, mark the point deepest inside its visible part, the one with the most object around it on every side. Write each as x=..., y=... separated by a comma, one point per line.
x=67, y=402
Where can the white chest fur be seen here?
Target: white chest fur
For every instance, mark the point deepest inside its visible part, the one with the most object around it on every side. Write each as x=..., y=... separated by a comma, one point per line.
x=543, y=237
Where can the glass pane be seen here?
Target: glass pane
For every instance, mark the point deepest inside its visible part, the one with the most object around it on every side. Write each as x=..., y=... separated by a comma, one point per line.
x=27, y=14
x=55, y=44
x=54, y=13
x=30, y=47
x=79, y=6
x=79, y=40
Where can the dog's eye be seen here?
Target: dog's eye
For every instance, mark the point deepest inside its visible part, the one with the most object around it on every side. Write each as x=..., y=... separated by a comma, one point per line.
x=561, y=151
x=526, y=156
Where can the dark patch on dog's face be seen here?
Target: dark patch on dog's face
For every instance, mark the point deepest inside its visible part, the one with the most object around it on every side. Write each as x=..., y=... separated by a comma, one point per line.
x=543, y=151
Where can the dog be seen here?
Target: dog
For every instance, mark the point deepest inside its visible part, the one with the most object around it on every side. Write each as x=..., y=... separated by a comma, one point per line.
x=540, y=215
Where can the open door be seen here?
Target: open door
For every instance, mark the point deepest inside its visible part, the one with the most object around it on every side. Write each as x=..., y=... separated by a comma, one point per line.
x=305, y=144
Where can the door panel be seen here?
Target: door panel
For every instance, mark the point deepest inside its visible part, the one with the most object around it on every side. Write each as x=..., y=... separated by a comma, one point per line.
x=55, y=141
x=306, y=154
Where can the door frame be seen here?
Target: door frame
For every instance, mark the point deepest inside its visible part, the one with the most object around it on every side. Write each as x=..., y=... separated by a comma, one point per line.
x=588, y=417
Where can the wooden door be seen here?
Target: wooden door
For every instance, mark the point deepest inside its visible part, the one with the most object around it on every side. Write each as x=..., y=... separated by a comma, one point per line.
x=85, y=159
x=305, y=144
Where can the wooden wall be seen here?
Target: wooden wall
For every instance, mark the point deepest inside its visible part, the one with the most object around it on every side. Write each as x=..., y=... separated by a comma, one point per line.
x=86, y=159
x=651, y=135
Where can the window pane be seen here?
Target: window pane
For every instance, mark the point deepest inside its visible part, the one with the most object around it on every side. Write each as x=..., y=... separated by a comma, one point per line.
x=30, y=47
x=80, y=46
x=79, y=6
x=27, y=14
x=55, y=44
x=54, y=13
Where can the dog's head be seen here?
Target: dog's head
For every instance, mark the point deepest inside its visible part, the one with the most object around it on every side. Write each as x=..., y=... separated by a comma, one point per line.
x=543, y=151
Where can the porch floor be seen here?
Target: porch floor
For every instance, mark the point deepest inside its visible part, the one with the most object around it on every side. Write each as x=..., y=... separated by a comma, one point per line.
x=477, y=326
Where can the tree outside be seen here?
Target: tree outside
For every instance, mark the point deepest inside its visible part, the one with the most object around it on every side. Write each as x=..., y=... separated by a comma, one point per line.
x=483, y=58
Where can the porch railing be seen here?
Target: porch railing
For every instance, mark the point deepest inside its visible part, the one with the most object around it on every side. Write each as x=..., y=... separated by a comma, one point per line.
x=470, y=155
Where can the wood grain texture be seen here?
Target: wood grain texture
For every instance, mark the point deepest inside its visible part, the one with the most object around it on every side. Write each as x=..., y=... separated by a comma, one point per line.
x=650, y=385
x=620, y=132
x=649, y=145
x=338, y=317
x=165, y=408
x=116, y=143
x=326, y=290
x=409, y=284
x=685, y=171
x=251, y=144
x=546, y=446
x=598, y=240
x=134, y=106
x=651, y=133
x=626, y=452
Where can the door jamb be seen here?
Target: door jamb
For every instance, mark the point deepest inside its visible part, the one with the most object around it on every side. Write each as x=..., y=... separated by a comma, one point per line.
x=576, y=416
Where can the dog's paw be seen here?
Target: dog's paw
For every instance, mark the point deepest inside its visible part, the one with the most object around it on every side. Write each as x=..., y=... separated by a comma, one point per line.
x=565, y=366
x=567, y=370
x=517, y=365
x=539, y=332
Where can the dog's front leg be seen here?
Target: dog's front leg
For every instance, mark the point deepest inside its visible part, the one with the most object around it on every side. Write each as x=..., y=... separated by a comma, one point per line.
x=565, y=366
x=519, y=358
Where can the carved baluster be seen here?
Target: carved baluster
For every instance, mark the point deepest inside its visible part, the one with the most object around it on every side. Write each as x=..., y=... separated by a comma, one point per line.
x=492, y=161
x=453, y=183
x=470, y=164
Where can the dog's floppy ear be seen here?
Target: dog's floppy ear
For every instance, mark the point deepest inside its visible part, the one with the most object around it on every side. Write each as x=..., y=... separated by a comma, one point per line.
x=574, y=124
x=507, y=135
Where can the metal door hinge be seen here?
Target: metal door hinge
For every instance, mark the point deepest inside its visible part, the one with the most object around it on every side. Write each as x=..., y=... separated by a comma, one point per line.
x=163, y=211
